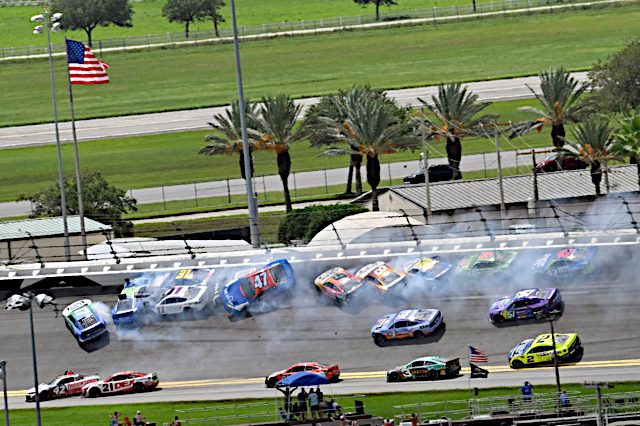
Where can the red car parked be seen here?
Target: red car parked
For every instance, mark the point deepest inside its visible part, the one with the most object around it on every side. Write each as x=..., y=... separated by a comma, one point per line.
x=331, y=372
x=554, y=164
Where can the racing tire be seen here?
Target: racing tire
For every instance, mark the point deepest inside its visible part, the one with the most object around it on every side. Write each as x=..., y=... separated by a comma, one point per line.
x=44, y=395
x=517, y=364
x=432, y=374
x=138, y=387
x=393, y=377
x=94, y=393
x=271, y=382
x=498, y=319
x=379, y=339
x=418, y=334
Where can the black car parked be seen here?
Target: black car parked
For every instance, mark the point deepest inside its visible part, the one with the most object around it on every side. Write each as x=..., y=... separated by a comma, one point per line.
x=439, y=173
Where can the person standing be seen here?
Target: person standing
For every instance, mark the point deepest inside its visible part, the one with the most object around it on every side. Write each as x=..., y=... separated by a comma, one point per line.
x=302, y=403
x=139, y=419
x=527, y=391
x=314, y=404
x=414, y=419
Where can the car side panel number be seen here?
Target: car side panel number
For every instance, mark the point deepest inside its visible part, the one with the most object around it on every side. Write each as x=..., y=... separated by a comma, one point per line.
x=260, y=280
x=116, y=386
x=530, y=359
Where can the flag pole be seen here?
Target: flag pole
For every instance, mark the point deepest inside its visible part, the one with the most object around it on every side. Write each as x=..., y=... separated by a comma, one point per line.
x=83, y=234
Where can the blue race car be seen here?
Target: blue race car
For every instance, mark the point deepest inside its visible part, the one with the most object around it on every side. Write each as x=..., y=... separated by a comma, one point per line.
x=142, y=291
x=83, y=321
x=566, y=262
x=526, y=304
x=428, y=268
x=273, y=281
x=410, y=323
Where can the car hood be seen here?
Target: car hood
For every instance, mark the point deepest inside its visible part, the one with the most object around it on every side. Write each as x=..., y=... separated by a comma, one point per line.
x=41, y=387
x=232, y=297
x=520, y=348
x=500, y=305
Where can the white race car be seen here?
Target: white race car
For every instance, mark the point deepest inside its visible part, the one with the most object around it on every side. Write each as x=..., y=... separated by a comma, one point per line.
x=65, y=385
x=122, y=382
x=185, y=298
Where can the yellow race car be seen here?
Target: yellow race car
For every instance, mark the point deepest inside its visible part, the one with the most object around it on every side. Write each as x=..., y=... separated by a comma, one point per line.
x=539, y=351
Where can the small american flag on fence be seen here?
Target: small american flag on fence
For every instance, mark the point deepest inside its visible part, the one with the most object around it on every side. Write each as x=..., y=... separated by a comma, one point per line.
x=477, y=355
x=84, y=68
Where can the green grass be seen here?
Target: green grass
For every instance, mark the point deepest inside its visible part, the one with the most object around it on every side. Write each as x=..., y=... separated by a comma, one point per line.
x=147, y=161
x=377, y=404
x=391, y=58
x=16, y=29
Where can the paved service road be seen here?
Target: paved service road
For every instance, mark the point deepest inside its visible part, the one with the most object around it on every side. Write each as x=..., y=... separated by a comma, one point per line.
x=231, y=358
x=196, y=119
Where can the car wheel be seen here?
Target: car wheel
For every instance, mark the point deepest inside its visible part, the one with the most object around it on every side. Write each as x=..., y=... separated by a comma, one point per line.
x=94, y=393
x=432, y=374
x=379, y=339
x=393, y=377
x=517, y=364
x=418, y=334
x=138, y=387
x=44, y=395
x=498, y=319
x=271, y=382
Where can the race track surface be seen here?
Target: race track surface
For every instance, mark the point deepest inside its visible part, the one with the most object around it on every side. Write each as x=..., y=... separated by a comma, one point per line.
x=230, y=359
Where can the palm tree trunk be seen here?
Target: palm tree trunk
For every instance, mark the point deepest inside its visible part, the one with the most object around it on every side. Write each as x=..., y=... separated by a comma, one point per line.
x=349, y=178
x=557, y=135
x=596, y=176
x=241, y=164
x=454, y=156
x=373, y=179
x=357, y=162
x=377, y=10
x=186, y=29
x=284, y=168
x=634, y=160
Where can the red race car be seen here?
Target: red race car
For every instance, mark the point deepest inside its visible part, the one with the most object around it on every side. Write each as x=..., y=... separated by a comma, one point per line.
x=338, y=284
x=67, y=384
x=331, y=372
x=122, y=382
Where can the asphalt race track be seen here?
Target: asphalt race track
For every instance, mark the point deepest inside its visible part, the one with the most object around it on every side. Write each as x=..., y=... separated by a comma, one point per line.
x=216, y=358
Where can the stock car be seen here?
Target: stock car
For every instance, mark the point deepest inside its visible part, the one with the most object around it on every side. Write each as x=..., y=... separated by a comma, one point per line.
x=338, y=284
x=406, y=324
x=141, y=292
x=331, y=372
x=273, y=281
x=68, y=384
x=425, y=368
x=539, y=351
x=83, y=321
x=486, y=262
x=122, y=382
x=566, y=262
x=183, y=298
x=525, y=304
x=382, y=276
x=428, y=268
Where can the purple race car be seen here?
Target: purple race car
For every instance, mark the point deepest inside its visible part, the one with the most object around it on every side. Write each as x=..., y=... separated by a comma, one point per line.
x=525, y=304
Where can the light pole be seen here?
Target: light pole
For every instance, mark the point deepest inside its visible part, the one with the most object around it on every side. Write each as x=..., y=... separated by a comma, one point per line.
x=251, y=201
x=3, y=374
x=51, y=22
x=24, y=302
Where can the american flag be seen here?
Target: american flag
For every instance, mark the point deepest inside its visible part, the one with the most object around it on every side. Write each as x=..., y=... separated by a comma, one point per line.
x=477, y=355
x=84, y=68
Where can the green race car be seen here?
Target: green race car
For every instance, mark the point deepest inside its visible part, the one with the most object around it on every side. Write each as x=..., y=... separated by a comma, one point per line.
x=425, y=368
x=539, y=351
x=486, y=262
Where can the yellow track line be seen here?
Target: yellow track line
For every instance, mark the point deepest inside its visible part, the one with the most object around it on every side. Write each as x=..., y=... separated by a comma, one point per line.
x=375, y=375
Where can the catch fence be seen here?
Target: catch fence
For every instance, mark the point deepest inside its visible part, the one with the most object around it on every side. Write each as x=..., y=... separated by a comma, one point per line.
x=434, y=15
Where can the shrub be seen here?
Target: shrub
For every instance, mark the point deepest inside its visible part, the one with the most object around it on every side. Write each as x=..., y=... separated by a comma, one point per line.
x=304, y=224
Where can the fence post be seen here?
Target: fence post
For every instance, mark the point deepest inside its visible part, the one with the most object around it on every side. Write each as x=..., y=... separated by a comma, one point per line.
x=389, y=170
x=326, y=186
x=295, y=186
x=484, y=161
x=164, y=202
x=195, y=191
x=264, y=188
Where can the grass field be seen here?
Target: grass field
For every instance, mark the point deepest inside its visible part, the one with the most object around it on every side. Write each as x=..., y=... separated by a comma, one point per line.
x=377, y=404
x=147, y=161
x=16, y=29
x=391, y=58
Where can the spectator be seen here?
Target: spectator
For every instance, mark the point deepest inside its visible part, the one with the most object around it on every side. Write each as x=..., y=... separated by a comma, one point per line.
x=115, y=418
x=176, y=422
x=139, y=419
x=302, y=403
x=527, y=391
x=563, y=399
x=127, y=422
x=414, y=419
x=320, y=395
x=329, y=408
x=314, y=404
x=387, y=422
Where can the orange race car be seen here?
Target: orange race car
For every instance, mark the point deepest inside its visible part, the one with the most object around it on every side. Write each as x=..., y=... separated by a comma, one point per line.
x=338, y=284
x=331, y=372
x=382, y=276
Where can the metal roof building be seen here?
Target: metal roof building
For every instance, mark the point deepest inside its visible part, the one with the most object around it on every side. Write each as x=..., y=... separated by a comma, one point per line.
x=22, y=241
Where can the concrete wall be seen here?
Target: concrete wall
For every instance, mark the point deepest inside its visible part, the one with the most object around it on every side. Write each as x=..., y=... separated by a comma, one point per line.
x=51, y=249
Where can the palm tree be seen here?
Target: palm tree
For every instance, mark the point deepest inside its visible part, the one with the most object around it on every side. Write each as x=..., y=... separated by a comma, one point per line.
x=372, y=125
x=592, y=145
x=454, y=112
x=326, y=108
x=561, y=104
x=277, y=130
x=229, y=139
x=626, y=141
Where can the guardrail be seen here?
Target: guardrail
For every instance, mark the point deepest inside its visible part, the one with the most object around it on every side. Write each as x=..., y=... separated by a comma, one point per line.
x=310, y=27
